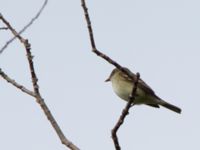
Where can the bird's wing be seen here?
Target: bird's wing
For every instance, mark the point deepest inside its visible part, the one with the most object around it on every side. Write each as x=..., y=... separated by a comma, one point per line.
x=141, y=84
x=154, y=105
x=146, y=87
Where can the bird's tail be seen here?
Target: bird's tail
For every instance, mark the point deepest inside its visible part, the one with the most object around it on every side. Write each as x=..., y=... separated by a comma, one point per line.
x=170, y=106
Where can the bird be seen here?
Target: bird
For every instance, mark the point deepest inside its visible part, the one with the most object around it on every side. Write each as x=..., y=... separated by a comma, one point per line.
x=122, y=85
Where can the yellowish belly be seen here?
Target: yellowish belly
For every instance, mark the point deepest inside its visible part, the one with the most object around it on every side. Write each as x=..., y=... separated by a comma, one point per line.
x=124, y=89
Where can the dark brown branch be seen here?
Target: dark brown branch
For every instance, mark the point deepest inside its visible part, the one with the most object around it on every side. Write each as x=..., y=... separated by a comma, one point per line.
x=93, y=45
x=3, y=28
x=40, y=100
x=17, y=85
x=87, y=17
x=124, y=113
x=14, y=32
x=37, y=94
x=108, y=59
x=25, y=27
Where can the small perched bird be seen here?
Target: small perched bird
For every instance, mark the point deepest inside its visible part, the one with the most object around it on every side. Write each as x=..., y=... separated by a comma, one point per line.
x=123, y=86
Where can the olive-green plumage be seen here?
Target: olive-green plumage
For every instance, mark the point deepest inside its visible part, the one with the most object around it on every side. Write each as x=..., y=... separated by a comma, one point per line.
x=123, y=85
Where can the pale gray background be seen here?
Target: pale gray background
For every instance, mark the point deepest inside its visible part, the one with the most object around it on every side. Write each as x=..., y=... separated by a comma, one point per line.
x=159, y=39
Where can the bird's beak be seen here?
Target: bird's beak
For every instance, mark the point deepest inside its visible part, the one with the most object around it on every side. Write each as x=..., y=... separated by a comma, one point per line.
x=107, y=79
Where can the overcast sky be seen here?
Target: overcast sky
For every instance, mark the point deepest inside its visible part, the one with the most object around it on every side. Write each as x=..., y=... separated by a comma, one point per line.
x=159, y=39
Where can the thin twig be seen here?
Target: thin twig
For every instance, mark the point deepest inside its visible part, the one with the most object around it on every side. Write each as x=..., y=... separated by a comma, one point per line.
x=17, y=85
x=14, y=32
x=111, y=61
x=93, y=45
x=40, y=100
x=25, y=27
x=124, y=114
x=38, y=96
x=3, y=28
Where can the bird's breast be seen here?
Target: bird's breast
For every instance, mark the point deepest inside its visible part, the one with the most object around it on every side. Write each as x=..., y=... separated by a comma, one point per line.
x=122, y=89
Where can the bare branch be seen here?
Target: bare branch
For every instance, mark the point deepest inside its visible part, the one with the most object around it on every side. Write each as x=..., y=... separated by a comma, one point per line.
x=14, y=32
x=3, y=28
x=93, y=45
x=40, y=100
x=108, y=59
x=37, y=94
x=25, y=27
x=89, y=25
x=17, y=85
x=124, y=113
